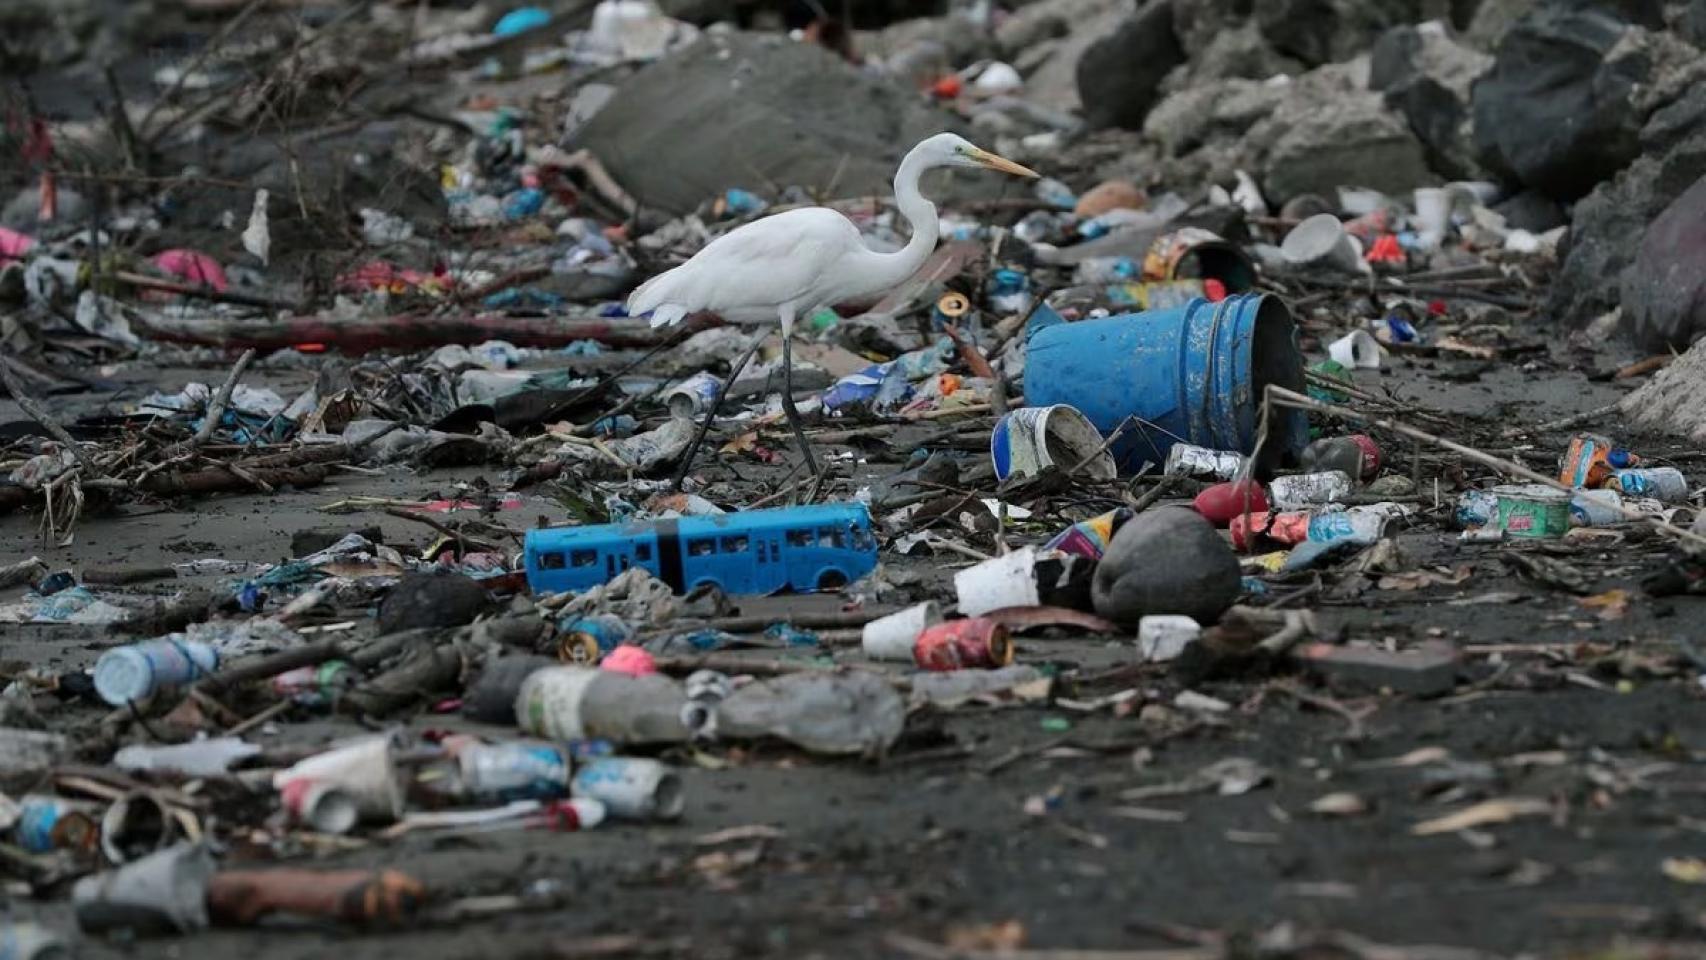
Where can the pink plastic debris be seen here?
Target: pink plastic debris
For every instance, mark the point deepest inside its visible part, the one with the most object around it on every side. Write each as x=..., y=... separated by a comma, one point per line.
x=192, y=266
x=629, y=659
x=13, y=245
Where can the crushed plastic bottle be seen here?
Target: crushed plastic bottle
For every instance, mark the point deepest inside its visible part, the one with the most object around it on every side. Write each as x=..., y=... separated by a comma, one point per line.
x=832, y=713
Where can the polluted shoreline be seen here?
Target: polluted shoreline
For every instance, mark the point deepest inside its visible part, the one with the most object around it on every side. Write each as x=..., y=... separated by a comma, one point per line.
x=1085, y=478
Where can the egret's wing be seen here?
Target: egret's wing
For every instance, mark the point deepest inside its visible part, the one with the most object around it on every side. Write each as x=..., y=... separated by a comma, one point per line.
x=781, y=259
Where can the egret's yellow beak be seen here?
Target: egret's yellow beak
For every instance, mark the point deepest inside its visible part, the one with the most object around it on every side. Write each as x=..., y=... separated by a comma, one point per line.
x=993, y=162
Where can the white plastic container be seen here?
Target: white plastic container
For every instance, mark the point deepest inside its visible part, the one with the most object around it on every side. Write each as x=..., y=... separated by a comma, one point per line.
x=892, y=637
x=135, y=673
x=631, y=788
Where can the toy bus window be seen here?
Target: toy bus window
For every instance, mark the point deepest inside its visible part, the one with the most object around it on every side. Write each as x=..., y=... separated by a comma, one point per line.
x=643, y=552
x=551, y=561
x=830, y=537
x=861, y=537
x=701, y=548
x=799, y=538
x=734, y=544
x=584, y=558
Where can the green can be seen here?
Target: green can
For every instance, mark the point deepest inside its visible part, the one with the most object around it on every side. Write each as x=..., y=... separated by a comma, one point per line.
x=1532, y=510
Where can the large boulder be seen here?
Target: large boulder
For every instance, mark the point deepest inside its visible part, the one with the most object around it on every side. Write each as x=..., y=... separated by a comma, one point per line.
x=1119, y=76
x=1664, y=296
x=1426, y=76
x=1353, y=140
x=1562, y=108
x=1328, y=31
x=1606, y=226
x=1693, y=25
x=757, y=112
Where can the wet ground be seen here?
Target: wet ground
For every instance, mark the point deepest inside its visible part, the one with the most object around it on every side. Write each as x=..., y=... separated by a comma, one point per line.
x=988, y=817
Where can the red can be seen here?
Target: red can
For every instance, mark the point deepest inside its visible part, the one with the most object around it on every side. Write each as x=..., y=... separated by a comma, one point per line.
x=959, y=644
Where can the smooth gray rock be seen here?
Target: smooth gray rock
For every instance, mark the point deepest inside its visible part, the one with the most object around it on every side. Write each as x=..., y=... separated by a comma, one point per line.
x=1166, y=560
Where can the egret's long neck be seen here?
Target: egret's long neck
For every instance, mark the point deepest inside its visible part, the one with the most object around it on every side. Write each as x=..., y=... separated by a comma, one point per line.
x=920, y=214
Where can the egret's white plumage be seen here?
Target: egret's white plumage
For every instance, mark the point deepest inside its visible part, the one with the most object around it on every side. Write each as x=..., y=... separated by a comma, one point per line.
x=791, y=263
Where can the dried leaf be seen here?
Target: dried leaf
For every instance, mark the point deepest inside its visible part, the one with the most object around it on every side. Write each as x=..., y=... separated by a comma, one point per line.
x=1004, y=936
x=1341, y=804
x=1612, y=604
x=1502, y=810
x=1690, y=870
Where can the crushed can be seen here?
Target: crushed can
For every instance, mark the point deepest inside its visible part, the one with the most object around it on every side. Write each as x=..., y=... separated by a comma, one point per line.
x=1187, y=460
x=1290, y=528
x=517, y=770
x=975, y=642
x=47, y=823
x=1309, y=489
x=1532, y=510
x=692, y=398
x=1664, y=484
x=587, y=639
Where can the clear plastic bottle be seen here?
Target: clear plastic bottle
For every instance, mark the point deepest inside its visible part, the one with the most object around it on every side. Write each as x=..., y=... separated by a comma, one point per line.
x=138, y=672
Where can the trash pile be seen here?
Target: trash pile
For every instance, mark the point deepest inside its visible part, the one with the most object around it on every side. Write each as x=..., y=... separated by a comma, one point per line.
x=1302, y=459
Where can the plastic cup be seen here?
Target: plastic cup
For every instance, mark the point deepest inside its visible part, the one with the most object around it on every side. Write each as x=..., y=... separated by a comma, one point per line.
x=1008, y=581
x=1433, y=213
x=1357, y=349
x=319, y=805
x=892, y=637
x=1321, y=241
x=161, y=893
x=362, y=770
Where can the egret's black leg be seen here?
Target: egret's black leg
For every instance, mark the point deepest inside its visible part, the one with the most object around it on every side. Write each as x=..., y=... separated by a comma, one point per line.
x=792, y=412
x=716, y=407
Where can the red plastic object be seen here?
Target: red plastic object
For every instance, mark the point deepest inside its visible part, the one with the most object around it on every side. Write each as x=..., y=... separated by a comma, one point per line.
x=1385, y=250
x=1213, y=290
x=193, y=266
x=1222, y=502
x=948, y=88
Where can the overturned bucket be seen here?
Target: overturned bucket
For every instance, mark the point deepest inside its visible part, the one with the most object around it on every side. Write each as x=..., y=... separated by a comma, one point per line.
x=1028, y=441
x=1192, y=374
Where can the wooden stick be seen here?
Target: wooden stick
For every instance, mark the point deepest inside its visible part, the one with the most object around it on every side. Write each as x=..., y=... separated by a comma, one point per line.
x=216, y=409
x=36, y=413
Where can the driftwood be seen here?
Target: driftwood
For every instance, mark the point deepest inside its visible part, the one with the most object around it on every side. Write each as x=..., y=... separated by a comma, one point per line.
x=405, y=332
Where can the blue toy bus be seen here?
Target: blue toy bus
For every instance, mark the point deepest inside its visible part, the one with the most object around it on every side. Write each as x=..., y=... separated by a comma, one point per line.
x=754, y=552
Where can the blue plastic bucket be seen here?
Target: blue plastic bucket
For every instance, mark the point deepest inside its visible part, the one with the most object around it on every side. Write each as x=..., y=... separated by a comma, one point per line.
x=1192, y=374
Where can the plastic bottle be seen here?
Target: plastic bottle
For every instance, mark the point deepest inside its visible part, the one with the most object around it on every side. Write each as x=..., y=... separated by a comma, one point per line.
x=1356, y=456
x=198, y=758
x=1192, y=461
x=632, y=788
x=831, y=713
x=579, y=703
x=517, y=770
x=138, y=672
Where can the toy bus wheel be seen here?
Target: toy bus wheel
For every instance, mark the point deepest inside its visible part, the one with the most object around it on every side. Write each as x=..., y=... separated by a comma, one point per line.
x=831, y=580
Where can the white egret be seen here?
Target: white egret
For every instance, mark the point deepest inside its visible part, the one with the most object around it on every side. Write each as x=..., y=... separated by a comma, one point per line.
x=789, y=264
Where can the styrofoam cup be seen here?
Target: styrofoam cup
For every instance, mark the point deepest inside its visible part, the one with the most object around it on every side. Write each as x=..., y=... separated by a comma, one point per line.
x=892, y=637
x=363, y=770
x=1357, y=349
x=1321, y=241
x=1008, y=581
